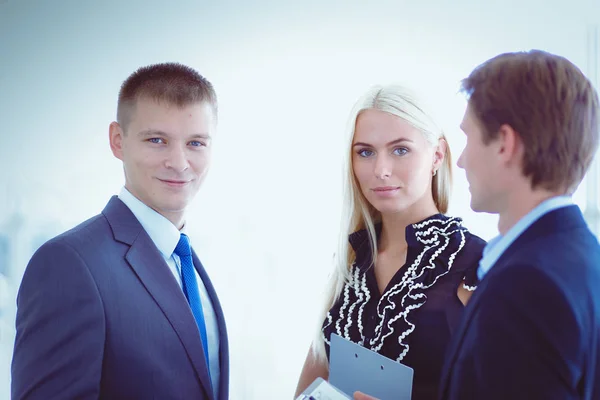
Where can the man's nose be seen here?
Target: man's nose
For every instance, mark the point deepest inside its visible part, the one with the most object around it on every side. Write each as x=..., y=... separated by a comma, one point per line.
x=177, y=159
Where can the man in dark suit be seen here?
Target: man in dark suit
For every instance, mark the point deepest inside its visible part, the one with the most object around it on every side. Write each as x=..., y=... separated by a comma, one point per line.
x=532, y=328
x=120, y=306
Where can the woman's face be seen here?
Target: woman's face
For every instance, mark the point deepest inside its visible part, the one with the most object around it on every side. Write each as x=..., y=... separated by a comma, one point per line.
x=392, y=161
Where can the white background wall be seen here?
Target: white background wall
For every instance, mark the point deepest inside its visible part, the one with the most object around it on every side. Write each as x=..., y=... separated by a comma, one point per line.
x=265, y=223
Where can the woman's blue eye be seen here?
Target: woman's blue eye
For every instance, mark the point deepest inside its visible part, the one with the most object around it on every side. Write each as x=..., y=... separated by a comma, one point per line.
x=365, y=153
x=156, y=140
x=400, y=151
x=197, y=143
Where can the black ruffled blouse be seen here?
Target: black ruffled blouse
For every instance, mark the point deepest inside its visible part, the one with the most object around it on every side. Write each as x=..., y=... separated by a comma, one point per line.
x=412, y=320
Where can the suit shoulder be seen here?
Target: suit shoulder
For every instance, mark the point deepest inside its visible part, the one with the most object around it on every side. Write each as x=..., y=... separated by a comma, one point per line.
x=72, y=254
x=94, y=223
x=78, y=239
x=525, y=284
x=531, y=278
x=561, y=254
x=571, y=263
x=62, y=257
x=95, y=226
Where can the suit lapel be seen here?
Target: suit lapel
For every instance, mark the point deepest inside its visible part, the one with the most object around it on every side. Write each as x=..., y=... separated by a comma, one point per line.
x=153, y=273
x=558, y=220
x=223, y=340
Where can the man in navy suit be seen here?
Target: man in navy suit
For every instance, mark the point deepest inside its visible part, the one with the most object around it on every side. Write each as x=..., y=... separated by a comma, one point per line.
x=532, y=328
x=120, y=306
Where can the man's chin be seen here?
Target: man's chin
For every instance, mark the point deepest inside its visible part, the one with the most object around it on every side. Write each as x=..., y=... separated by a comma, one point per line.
x=480, y=208
x=174, y=206
x=476, y=206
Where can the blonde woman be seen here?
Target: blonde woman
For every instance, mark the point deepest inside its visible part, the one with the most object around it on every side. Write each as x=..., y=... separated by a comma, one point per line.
x=405, y=269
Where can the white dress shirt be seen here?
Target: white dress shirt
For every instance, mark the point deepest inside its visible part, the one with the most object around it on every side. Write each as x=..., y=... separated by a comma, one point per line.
x=165, y=236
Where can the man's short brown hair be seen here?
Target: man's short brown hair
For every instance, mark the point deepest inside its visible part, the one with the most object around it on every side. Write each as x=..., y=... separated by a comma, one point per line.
x=171, y=83
x=552, y=106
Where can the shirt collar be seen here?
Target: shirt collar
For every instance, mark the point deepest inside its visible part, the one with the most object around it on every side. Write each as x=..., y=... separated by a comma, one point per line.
x=496, y=246
x=162, y=231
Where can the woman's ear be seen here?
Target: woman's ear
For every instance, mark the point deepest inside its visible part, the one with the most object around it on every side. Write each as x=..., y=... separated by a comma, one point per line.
x=439, y=154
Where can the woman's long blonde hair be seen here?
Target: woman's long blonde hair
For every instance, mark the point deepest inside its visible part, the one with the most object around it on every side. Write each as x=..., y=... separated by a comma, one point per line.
x=357, y=213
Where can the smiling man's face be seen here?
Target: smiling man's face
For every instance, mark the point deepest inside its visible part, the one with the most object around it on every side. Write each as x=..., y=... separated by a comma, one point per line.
x=166, y=153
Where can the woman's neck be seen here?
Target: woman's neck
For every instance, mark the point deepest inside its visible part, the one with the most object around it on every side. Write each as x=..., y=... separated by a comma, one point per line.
x=393, y=229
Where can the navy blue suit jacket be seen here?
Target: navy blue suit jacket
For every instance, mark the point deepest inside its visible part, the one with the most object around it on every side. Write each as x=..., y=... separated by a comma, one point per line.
x=100, y=316
x=532, y=328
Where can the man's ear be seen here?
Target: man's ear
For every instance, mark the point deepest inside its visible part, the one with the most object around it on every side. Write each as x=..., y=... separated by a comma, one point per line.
x=509, y=145
x=115, y=137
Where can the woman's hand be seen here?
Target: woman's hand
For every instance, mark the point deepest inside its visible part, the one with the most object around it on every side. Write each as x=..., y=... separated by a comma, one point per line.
x=362, y=396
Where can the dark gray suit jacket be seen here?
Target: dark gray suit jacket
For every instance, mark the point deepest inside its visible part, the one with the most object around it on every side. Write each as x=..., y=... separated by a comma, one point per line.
x=100, y=316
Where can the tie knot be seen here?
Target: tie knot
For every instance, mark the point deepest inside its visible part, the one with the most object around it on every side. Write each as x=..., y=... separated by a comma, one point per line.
x=183, y=248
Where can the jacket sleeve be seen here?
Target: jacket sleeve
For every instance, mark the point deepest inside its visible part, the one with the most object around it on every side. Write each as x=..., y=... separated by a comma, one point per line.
x=60, y=328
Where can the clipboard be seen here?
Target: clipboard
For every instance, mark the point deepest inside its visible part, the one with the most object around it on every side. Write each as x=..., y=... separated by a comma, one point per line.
x=320, y=389
x=355, y=368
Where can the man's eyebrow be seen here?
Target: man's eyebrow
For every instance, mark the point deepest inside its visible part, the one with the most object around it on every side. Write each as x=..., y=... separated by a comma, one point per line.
x=158, y=132
x=201, y=136
x=152, y=132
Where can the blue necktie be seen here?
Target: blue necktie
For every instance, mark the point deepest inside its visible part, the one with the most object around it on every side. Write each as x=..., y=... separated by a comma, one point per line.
x=190, y=288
